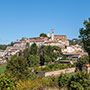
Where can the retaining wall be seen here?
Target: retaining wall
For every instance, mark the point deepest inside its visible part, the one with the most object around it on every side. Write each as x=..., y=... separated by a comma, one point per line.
x=69, y=70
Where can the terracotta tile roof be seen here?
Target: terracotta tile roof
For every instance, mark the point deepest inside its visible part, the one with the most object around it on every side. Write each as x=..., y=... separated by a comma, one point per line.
x=23, y=41
x=51, y=42
x=59, y=35
x=17, y=42
x=38, y=40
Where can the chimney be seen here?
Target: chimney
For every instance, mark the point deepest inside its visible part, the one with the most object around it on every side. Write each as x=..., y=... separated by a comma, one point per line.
x=52, y=37
x=48, y=35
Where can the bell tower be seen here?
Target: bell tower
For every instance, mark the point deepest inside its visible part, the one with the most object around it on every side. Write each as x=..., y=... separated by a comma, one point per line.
x=52, y=37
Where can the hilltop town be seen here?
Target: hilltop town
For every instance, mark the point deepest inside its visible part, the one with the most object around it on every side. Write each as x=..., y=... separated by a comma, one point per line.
x=44, y=45
x=72, y=52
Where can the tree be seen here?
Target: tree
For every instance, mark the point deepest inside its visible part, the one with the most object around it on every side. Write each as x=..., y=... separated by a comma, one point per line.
x=85, y=36
x=33, y=60
x=79, y=81
x=23, y=38
x=49, y=54
x=43, y=35
x=11, y=44
x=17, y=67
x=6, y=83
x=26, y=53
x=33, y=49
x=62, y=80
x=3, y=47
x=81, y=61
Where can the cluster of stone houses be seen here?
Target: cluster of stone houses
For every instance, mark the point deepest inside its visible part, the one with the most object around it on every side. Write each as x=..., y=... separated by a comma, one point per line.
x=72, y=49
x=5, y=54
x=53, y=40
x=74, y=52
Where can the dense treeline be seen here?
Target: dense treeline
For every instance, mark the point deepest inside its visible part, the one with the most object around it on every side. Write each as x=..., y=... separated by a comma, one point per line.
x=32, y=57
x=19, y=70
x=42, y=55
x=3, y=47
x=19, y=74
x=73, y=81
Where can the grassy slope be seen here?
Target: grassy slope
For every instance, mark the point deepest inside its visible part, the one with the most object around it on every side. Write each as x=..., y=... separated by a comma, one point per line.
x=2, y=68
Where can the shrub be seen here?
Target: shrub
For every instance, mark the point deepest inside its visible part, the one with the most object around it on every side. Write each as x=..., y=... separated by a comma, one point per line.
x=51, y=81
x=83, y=60
x=28, y=85
x=63, y=80
x=80, y=81
x=6, y=83
x=33, y=60
x=17, y=67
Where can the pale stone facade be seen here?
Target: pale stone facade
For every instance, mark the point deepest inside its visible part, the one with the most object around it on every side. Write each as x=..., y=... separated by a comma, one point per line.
x=72, y=49
x=55, y=73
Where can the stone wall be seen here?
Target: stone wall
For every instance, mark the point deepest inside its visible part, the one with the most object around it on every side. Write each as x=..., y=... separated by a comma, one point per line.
x=55, y=73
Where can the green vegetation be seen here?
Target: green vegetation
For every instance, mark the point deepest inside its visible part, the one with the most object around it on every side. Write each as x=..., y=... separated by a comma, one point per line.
x=33, y=60
x=80, y=81
x=46, y=54
x=49, y=54
x=53, y=67
x=63, y=80
x=81, y=61
x=28, y=85
x=6, y=83
x=2, y=68
x=75, y=42
x=33, y=49
x=43, y=35
x=85, y=36
x=19, y=73
x=17, y=67
x=3, y=47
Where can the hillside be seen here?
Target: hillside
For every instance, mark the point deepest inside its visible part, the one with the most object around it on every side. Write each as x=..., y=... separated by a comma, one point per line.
x=76, y=41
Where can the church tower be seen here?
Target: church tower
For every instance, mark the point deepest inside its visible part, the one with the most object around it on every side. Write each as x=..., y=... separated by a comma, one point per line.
x=52, y=37
x=48, y=35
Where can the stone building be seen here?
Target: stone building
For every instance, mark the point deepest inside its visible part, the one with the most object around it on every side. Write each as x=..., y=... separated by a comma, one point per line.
x=53, y=40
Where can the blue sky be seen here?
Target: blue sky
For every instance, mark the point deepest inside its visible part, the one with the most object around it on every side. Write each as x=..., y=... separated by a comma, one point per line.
x=29, y=18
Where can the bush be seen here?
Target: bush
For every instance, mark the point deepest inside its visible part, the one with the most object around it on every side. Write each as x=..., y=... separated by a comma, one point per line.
x=28, y=85
x=55, y=66
x=17, y=67
x=2, y=68
x=51, y=81
x=80, y=81
x=63, y=80
x=33, y=60
x=6, y=83
x=83, y=60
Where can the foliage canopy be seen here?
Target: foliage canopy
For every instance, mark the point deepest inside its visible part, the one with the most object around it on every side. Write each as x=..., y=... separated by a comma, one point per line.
x=43, y=35
x=17, y=67
x=85, y=36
